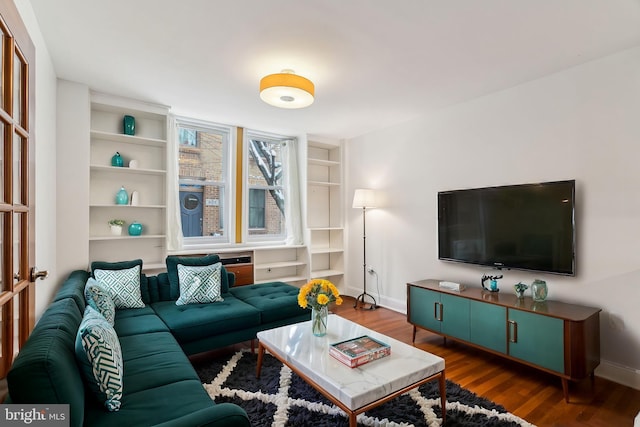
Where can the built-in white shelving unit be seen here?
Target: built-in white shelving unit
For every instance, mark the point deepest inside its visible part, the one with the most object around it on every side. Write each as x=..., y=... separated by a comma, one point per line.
x=281, y=263
x=325, y=211
x=149, y=148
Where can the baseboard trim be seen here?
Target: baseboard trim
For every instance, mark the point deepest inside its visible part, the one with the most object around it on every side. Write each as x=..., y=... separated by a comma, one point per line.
x=620, y=374
x=391, y=303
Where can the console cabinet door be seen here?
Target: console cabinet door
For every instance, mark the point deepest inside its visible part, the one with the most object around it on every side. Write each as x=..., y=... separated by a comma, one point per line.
x=537, y=339
x=488, y=326
x=424, y=309
x=455, y=316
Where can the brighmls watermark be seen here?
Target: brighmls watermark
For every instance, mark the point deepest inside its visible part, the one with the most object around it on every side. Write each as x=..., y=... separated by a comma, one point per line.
x=34, y=415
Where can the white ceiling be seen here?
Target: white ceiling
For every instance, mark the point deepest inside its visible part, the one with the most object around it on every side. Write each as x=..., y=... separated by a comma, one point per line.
x=374, y=62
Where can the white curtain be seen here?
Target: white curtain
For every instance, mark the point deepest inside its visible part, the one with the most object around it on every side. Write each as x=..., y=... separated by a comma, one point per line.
x=174, y=224
x=293, y=206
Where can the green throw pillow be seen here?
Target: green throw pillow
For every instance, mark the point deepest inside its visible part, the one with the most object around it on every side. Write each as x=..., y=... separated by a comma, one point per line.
x=172, y=271
x=122, y=285
x=199, y=284
x=100, y=356
x=100, y=300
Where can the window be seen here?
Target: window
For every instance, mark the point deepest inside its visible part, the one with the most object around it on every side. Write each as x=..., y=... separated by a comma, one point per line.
x=227, y=197
x=265, y=187
x=257, y=208
x=204, y=181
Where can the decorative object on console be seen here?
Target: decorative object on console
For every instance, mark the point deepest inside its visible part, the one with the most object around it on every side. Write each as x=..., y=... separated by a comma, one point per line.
x=520, y=288
x=135, y=228
x=117, y=161
x=133, y=164
x=129, y=125
x=364, y=198
x=539, y=290
x=287, y=90
x=122, y=197
x=116, y=226
x=318, y=294
x=493, y=280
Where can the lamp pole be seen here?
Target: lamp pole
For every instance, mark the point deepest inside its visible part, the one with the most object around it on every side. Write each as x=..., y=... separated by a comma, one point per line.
x=364, y=294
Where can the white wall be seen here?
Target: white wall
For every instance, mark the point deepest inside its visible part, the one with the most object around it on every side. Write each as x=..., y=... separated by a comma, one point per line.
x=580, y=124
x=74, y=116
x=45, y=131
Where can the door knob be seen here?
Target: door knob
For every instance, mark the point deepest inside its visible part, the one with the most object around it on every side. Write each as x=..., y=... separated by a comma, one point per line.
x=35, y=274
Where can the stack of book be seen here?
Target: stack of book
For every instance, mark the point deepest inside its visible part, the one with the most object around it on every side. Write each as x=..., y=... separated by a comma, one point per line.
x=358, y=351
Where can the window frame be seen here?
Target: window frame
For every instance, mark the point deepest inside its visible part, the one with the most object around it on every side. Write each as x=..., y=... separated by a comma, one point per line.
x=227, y=186
x=262, y=238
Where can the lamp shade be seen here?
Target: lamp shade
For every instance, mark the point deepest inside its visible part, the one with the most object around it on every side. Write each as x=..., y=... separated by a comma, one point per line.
x=364, y=198
x=287, y=90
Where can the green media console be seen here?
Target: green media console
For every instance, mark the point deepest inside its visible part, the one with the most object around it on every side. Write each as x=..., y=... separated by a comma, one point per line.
x=562, y=339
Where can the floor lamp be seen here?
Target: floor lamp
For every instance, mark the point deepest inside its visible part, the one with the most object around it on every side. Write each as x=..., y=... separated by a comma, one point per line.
x=364, y=198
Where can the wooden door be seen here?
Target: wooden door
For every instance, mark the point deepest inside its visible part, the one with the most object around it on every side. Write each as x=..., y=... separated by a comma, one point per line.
x=17, y=191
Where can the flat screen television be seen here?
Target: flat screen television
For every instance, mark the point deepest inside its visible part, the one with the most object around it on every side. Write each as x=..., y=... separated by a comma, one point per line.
x=523, y=227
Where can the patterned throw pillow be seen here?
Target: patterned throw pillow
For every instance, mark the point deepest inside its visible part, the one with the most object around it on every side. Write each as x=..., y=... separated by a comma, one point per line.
x=100, y=356
x=122, y=285
x=199, y=284
x=100, y=300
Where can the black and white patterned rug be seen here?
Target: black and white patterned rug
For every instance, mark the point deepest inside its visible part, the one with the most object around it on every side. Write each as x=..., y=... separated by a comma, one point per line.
x=281, y=398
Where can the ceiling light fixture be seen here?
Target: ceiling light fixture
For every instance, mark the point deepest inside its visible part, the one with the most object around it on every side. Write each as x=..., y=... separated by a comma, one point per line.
x=287, y=90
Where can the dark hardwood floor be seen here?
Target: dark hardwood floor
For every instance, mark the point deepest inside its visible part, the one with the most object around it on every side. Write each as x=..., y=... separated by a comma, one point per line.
x=527, y=392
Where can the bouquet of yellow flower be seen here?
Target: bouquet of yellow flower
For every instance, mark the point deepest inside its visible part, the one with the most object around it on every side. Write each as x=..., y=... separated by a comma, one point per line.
x=318, y=293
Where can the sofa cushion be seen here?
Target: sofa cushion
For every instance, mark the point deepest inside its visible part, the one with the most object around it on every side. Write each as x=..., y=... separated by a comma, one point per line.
x=195, y=321
x=153, y=360
x=154, y=406
x=136, y=321
x=45, y=369
x=199, y=284
x=100, y=300
x=275, y=300
x=172, y=271
x=123, y=286
x=100, y=356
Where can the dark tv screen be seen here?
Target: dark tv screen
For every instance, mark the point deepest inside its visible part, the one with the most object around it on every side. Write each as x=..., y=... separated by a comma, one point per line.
x=523, y=227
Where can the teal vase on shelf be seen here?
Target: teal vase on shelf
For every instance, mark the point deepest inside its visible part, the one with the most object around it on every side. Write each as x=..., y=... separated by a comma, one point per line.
x=117, y=161
x=135, y=228
x=129, y=125
x=122, y=197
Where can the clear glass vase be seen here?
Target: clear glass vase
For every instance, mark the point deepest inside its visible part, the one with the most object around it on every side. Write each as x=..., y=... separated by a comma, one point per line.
x=319, y=320
x=539, y=290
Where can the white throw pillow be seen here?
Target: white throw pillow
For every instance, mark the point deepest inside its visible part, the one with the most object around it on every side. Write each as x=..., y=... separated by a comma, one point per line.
x=199, y=284
x=122, y=285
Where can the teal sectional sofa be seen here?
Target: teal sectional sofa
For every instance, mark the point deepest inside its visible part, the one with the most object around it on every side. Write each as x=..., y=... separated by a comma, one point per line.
x=160, y=387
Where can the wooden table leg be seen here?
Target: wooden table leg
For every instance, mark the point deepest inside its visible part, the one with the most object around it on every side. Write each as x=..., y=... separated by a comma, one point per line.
x=443, y=396
x=353, y=420
x=565, y=389
x=260, y=355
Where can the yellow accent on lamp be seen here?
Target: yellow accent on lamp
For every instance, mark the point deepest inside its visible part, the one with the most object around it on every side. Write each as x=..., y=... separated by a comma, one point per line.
x=287, y=90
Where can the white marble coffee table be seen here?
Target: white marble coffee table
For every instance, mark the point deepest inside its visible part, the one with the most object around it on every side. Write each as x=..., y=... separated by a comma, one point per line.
x=354, y=390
